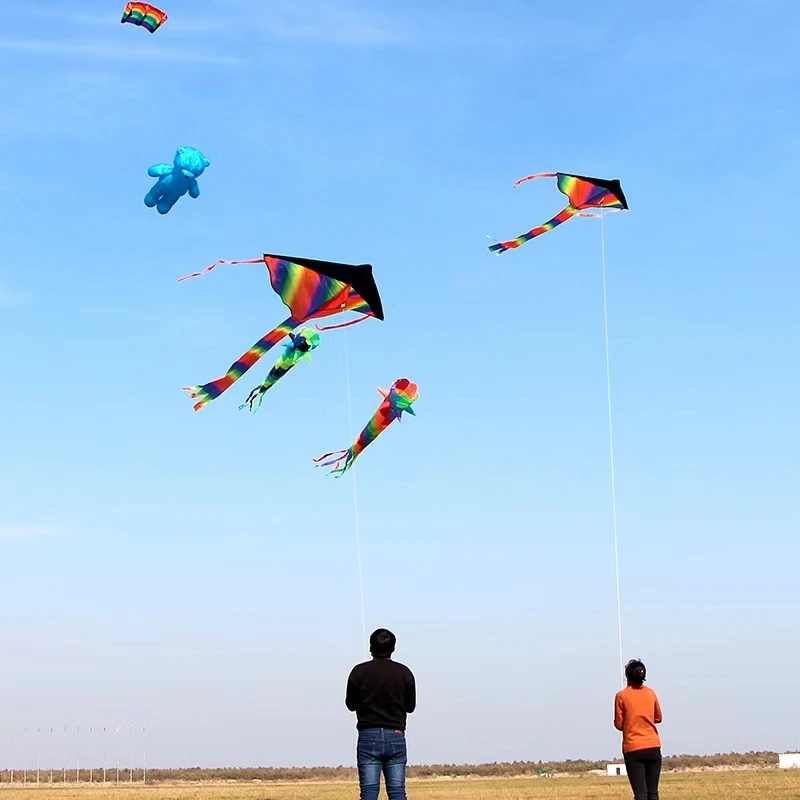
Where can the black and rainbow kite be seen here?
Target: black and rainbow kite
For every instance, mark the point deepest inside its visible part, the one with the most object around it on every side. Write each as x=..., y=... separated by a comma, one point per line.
x=311, y=289
x=583, y=193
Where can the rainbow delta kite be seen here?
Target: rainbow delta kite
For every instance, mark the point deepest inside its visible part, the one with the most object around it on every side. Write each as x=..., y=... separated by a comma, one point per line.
x=583, y=193
x=311, y=289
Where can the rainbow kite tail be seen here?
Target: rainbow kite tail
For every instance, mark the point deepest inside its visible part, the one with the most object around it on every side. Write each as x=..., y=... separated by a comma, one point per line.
x=212, y=390
x=347, y=456
x=568, y=213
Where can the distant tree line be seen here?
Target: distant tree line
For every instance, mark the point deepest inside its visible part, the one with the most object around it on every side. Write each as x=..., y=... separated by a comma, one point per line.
x=752, y=760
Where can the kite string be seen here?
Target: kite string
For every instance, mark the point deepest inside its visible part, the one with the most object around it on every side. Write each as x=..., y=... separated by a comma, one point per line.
x=355, y=497
x=611, y=444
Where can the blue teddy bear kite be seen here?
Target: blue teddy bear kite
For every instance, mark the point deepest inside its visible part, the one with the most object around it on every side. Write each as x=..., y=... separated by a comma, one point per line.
x=176, y=179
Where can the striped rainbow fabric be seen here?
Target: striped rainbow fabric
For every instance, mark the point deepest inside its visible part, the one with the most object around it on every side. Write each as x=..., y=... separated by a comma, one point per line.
x=396, y=400
x=148, y=17
x=300, y=347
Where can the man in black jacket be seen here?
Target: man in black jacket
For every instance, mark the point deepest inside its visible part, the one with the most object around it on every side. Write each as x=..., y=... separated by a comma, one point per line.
x=381, y=692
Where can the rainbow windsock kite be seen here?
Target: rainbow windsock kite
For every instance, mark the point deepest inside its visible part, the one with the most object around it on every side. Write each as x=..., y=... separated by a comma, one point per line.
x=583, y=193
x=396, y=400
x=300, y=346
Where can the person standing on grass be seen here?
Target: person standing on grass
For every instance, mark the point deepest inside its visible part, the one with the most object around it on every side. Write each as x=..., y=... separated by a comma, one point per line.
x=381, y=692
x=636, y=714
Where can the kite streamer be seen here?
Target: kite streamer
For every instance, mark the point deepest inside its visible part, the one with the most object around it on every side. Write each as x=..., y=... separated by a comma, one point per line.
x=396, y=400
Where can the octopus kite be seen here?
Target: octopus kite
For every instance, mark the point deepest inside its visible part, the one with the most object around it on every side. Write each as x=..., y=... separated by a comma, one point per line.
x=300, y=347
x=311, y=289
x=143, y=14
x=583, y=193
x=396, y=400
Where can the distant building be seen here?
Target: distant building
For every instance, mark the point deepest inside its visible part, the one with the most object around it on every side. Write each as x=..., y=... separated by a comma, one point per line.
x=789, y=760
x=614, y=770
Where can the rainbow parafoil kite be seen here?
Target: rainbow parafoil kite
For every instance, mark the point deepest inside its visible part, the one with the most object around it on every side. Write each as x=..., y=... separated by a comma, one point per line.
x=143, y=14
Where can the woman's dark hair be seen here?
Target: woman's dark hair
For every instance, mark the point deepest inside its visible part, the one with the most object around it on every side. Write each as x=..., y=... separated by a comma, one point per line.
x=635, y=672
x=382, y=643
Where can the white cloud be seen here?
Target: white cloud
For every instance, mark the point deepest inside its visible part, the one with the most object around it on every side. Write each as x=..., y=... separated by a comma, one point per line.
x=28, y=531
x=27, y=10
x=10, y=298
x=347, y=22
x=342, y=26
x=365, y=23
x=111, y=52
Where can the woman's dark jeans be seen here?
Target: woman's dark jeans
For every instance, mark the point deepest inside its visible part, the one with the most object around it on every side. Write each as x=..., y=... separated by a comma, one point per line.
x=644, y=769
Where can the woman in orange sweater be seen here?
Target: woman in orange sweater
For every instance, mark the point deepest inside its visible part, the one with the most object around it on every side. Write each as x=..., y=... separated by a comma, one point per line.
x=636, y=714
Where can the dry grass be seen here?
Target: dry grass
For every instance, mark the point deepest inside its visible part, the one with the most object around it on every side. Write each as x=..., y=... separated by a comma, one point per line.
x=767, y=785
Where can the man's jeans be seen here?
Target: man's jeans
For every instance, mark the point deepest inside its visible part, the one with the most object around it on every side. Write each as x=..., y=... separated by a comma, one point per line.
x=382, y=750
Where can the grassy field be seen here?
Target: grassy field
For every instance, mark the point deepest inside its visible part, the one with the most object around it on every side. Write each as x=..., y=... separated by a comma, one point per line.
x=768, y=785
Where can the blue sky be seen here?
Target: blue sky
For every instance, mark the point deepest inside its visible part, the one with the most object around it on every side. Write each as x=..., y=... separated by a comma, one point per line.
x=194, y=575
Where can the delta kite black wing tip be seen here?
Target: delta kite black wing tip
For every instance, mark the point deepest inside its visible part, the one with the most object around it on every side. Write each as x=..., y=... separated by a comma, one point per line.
x=369, y=291
x=613, y=187
x=616, y=190
x=359, y=276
